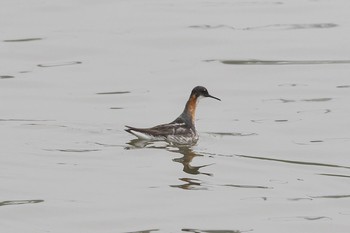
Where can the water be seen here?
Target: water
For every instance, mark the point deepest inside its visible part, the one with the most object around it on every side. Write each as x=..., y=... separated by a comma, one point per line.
x=272, y=155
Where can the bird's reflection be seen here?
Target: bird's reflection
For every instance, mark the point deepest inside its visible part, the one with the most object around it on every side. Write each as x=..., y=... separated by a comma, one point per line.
x=190, y=184
x=186, y=159
x=187, y=154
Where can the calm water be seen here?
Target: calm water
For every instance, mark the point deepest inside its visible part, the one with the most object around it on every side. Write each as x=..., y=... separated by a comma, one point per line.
x=273, y=155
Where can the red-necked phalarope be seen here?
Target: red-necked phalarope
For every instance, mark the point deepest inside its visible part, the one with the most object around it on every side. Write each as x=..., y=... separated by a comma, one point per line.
x=180, y=131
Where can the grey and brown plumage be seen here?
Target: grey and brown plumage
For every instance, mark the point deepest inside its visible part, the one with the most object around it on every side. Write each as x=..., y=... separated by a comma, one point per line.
x=180, y=131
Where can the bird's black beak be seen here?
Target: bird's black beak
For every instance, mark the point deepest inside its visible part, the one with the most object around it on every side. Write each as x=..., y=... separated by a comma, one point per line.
x=213, y=97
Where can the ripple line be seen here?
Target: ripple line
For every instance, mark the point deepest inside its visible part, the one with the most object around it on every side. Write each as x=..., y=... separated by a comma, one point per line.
x=280, y=62
x=293, y=161
x=20, y=202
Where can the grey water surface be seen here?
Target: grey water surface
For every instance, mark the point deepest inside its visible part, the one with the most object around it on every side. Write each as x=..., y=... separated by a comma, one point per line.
x=273, y=155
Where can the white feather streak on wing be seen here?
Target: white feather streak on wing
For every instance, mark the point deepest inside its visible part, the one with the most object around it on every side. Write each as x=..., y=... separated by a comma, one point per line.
x=140, y=135
x=176, y=124
x=144, y=136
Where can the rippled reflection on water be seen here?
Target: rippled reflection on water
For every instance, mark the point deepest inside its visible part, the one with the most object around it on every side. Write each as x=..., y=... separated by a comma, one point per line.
x=187, y=154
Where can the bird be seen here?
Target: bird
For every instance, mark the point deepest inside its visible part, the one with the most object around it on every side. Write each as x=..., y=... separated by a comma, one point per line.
x=180, y=131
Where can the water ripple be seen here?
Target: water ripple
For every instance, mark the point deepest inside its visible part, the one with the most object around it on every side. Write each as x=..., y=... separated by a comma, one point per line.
x=23, y=40
x=143, y=231
x=331, y=196
x=280, y=62
x=113, y=93
x=231, y=134
x=24, y=120
x=20, y=202
x=6, y=76
x=293, y=161
x=247, y=186
x=268, y=27
x=212, y=231
x=73, y=150
x=321, y=99
x=298, y=218
x=69, y=63
x=334, y=175
x=343, y=86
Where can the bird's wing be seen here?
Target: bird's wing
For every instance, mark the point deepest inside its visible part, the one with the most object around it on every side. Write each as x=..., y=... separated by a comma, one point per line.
x=163, y=130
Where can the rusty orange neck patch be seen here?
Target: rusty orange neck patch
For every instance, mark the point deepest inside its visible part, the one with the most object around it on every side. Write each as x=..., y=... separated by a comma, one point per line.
x=191, y=107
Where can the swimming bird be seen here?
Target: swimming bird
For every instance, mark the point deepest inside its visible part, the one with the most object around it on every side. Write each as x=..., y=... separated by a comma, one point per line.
x=180, y=131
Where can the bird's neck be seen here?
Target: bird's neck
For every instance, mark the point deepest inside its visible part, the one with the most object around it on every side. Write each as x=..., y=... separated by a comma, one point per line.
x=190, y=108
